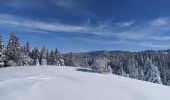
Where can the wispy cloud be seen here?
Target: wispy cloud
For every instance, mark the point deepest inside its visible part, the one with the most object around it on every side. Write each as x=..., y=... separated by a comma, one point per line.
x=162, y=21
x=162, y=24
x=155, y=29
x=64, y=3
x=13, y=21
x=140, y=34
x=18, y=22
x=125, y=24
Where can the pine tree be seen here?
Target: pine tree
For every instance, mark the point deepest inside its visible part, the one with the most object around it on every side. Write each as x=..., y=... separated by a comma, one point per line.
x=35, y=55
x=132, y=68
x=69, y=61
x=27, y=49
x=152, y=74
x=57, y=54
x=47, y=56
x=2, y=53
x=58, y=58
x=25, y=58
x=13, y=50
x=52, y=58
x=43, y=56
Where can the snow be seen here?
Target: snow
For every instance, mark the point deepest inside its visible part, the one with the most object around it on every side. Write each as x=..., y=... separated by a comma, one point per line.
x=74, y=83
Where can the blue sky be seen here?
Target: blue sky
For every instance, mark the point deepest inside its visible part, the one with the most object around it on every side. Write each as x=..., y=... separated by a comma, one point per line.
x=88, y=25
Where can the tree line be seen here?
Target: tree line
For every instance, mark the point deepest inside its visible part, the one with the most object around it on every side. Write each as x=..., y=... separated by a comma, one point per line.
x=16, y=55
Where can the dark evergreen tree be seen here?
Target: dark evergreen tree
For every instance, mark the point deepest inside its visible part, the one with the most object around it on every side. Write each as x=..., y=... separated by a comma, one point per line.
x=47, y=56
x=35, y=55
x=13, y=50
x=69, y=61
x=59, y=60
x=52, y=58
x=57, y=54
x=27, y=49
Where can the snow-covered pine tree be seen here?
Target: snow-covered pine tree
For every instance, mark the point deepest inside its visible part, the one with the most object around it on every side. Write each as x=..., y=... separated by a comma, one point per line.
x=27, y=49
x=13, y=51
x=132, y=68
x=47, y=56
x=152, y=74
x=69, y=60
x=2, y=53
x=58, y=58
x=35, y=55
x=43, y=56
x=25, y=58
x=101, y=66
x=117, y=67
x=51, y=59
x=57, y=55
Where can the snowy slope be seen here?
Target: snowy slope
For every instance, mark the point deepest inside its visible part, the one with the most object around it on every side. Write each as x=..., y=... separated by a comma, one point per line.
x=66, y=83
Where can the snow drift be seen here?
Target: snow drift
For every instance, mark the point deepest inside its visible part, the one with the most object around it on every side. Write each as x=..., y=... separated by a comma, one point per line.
x=70, y=83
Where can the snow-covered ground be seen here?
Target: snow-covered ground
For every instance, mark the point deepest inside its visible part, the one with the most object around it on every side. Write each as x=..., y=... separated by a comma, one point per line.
x=69, y=83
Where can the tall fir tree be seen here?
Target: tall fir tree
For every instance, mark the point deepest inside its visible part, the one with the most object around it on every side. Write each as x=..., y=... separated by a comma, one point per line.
x=27, y=49
x=52, y=58
x=43, y=56
x=13, y=50
x=25, y=58
x=35, y=55
x=47, y=56
x=59, y=61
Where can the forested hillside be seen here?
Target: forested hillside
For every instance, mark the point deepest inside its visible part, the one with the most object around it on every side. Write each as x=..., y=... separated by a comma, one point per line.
x=152, y=66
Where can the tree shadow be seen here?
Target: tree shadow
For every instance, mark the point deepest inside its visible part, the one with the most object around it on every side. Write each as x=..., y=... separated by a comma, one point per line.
x=85, y=70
